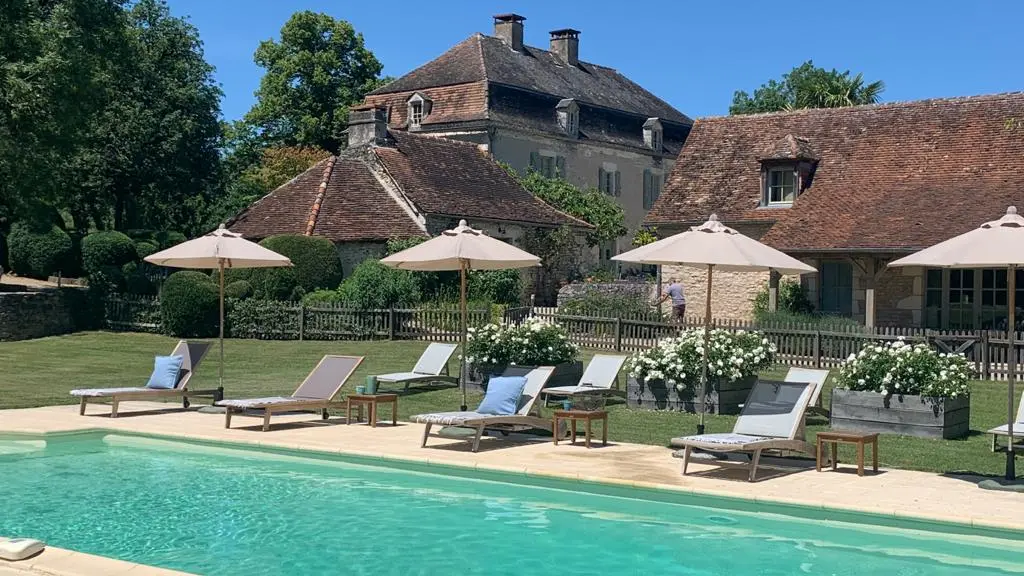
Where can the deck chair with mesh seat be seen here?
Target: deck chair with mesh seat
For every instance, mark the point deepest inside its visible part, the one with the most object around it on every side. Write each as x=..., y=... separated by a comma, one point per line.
x=1004, y=430
x=315, y=394
x=772, y=419
x=431, y=367
x=192, y=354
x=601, y=374
x=527, y=415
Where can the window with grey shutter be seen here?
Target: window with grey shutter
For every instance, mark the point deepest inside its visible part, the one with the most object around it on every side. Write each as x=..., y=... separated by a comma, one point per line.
x=601, y=180
x=560, y=167
x=535, y=161
x=648, y=189
x=618, y=183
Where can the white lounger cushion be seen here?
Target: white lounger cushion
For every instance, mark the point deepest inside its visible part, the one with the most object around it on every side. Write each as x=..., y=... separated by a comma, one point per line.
x=249, y=402
x=1018, y=430
x=400, y=376
x=725, y=439
x=451, y=418
x=90, y=392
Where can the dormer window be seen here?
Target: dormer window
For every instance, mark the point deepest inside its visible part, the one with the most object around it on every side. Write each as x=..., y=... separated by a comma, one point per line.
x=781, y=186
x=653, y=135
x=419, y=108
x=568, y=117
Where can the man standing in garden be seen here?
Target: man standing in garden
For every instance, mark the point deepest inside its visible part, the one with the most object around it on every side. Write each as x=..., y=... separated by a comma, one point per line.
x=674, y=290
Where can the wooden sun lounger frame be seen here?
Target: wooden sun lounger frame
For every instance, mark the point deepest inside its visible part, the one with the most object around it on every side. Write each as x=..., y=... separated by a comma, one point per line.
x=504, y=423
x=299, y=404
x=181, y=391
x=797, y=443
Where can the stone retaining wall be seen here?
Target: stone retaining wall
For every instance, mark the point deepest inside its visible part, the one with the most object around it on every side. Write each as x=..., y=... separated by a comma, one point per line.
x=41, y=312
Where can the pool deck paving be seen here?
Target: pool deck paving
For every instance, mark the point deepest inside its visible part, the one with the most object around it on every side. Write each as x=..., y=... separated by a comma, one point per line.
x=898, y=493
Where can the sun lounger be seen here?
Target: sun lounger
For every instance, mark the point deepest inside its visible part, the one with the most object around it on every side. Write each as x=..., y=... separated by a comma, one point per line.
x=191, y=352
x=772, y=419
x=1018, y=427
x=813, y=376
x=525, y=418
x=601, y=373
x=431, y=367
x=316, y=393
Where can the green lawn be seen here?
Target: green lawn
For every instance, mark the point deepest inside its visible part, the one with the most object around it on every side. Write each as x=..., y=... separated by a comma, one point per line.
x=41, y=372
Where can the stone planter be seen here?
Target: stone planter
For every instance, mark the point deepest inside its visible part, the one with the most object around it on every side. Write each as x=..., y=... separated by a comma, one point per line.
x=567, y=374
x=723, y=397
x=921, y=416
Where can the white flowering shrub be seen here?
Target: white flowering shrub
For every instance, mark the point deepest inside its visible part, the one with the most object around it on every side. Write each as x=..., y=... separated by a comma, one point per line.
x=731, y=356
x=535, y=342
x=899, y=367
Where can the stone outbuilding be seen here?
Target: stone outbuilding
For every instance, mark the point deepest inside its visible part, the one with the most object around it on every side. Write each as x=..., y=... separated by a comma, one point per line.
x=848, y=190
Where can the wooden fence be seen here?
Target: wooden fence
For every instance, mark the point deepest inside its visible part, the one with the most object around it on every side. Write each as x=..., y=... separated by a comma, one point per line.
x=798, y=344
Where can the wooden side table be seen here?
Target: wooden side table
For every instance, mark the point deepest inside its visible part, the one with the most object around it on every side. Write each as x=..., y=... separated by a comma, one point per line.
x=860, y=439
x=587, y=416
x=371, y=401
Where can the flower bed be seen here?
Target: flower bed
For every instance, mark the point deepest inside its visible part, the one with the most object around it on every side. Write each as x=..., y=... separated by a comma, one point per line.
x=499, y=349
x=667, y=377
x=900, y=388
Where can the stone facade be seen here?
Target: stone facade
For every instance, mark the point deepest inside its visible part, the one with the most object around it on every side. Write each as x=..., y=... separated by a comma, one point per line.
x=899, y=298
x=645, y=290
x=40, y=313
x=732, y=295
x=352, y=253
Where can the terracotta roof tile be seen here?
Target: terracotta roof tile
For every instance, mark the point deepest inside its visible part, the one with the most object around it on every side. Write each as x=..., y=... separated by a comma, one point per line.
x=458, y=103
x=486, y=58
x=895, y=177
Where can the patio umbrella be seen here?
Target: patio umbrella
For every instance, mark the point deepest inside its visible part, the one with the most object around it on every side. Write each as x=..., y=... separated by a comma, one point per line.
x=461, y=248
x=713, y=246
x=995, y=244
x=218, y=250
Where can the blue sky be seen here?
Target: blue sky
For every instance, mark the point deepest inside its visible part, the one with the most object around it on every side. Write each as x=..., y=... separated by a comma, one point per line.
x=693, y=55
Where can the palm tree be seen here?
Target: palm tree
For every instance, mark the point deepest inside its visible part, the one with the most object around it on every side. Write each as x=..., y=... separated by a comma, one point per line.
x=833, y=90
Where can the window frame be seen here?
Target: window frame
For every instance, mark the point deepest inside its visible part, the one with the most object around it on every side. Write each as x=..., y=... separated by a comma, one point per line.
x=955, y=303
x=769, y=187
x=416, y=113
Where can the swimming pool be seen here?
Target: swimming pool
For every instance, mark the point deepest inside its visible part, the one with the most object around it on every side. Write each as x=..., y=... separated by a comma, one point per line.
x=220, y=510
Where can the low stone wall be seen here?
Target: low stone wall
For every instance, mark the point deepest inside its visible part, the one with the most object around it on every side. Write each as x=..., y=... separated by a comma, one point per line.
x=645, y=290
x=41, y=312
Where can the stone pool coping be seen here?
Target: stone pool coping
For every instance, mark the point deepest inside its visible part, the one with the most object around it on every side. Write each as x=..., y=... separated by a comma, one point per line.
x=914, y=497
x=61, y=562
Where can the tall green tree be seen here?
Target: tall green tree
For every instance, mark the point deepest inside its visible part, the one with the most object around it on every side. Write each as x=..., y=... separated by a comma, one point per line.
x=151, y=159
x=808, y=86
x=314, y=73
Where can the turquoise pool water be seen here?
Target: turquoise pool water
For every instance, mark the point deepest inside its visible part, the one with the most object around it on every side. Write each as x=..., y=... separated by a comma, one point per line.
x=219, y=511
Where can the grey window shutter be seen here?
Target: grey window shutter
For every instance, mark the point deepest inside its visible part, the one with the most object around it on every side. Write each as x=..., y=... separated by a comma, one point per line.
x=600, y=181
x=618, y=183
x=535, y=161
x=648, y=190
x=560, y=166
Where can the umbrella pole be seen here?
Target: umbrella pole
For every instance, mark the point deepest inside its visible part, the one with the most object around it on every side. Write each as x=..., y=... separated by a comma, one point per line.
x=220, y=378
x=462, y=330
x=1011, y=369
x=704, y=364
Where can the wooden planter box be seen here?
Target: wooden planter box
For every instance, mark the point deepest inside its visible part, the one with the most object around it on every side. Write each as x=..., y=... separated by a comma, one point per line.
x=921, y=416
x=723, y=397
x=567, y=374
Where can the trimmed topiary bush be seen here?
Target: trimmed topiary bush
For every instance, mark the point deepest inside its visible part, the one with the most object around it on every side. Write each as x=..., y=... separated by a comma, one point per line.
x=136, y=281
x=328, y=297
x=315, y=266
x=39, y=251
x=374, y=285
x=166, y=239
x=189, y=305
x=144, y=248
x=108, y=248
x=239, y=290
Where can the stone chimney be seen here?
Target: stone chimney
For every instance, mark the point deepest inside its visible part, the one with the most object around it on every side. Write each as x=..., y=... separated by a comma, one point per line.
x=367, y=125
x=565, y=44
x=509, y=27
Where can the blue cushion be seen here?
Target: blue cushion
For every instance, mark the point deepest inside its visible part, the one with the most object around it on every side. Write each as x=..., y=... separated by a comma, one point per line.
x=165, y=372
x=502, y=397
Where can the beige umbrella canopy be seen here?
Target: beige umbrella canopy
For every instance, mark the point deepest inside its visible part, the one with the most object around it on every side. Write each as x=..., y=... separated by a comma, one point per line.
x=218, y=250
x=461, y=248
x=995, y=244
x=714, y=246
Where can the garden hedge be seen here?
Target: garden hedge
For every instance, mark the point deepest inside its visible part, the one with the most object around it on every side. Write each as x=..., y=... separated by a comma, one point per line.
x=373, y=285
x=136, y=281
x=39, y=251
x=144, y=248
x=189, y=305
x=239, y=290
x=166, y=239
x=315, y=266
x=4, y=262
x=107, y=248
